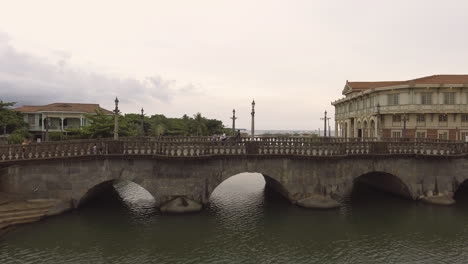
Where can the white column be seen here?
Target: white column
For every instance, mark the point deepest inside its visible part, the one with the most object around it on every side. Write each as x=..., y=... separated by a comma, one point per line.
x=376, y=128
x=355, y=130
x=348, y=128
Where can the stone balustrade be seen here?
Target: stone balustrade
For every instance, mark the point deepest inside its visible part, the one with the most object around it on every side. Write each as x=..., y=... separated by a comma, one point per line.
x=208, y=146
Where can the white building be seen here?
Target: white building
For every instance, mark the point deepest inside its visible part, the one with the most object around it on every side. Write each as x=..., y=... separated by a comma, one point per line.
x=429, y=107
x=62, y=116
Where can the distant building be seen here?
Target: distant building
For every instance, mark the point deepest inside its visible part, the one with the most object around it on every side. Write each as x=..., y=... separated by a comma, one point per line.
x=429, y=107
x=62, y=116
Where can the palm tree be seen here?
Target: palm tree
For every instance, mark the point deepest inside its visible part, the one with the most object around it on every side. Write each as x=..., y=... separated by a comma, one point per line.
x=199, y=123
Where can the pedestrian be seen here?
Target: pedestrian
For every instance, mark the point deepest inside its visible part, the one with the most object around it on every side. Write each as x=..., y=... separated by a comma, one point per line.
x=94, y=149
x=223, y=137
x=238, y=135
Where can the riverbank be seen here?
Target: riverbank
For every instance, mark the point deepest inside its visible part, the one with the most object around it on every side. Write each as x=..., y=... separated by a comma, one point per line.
x=16, y=211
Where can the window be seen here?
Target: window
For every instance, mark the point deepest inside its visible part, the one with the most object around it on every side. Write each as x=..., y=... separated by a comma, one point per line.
x=396, y=134
x=443, y=118
x=426, y=98
x=443, y=135
x=464, y=118
x=396, y=118
x=31, y=119
x=420, y=134
x=464, y=136
x=420, y=118
x=393, y=99
x=449, y=98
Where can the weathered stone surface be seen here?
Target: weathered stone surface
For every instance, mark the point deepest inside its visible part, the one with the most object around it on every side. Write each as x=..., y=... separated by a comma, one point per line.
x=181, y=205
x=295, y=178
x=318, y=202
x=438, y=200
x=60, y=207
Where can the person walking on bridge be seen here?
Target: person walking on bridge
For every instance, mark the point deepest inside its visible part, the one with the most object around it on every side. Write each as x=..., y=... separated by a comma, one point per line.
x=238, y=135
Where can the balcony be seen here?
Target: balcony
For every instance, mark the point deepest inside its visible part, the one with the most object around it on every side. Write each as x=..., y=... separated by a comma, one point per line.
x=407, y=108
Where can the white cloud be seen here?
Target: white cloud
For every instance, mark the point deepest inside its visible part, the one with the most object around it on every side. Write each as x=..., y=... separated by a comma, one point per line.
x=30, y=79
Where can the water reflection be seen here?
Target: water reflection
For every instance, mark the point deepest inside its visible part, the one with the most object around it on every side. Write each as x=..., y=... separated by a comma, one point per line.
x=245, y=223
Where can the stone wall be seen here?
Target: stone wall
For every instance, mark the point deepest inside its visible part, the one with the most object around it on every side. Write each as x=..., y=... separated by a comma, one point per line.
x=196, y=178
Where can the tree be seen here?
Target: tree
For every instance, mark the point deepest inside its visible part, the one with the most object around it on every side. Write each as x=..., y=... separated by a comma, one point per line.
x=134, y=121
x=200, y=125
x=102, y=126
x=158, y=125
x=10, y=120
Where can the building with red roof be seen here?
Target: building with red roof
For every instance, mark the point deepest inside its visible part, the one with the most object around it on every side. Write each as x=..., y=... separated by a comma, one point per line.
x=61, y=116
x=434, y=107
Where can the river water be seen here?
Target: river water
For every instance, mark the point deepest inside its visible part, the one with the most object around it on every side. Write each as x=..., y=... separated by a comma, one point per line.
x=244, y=223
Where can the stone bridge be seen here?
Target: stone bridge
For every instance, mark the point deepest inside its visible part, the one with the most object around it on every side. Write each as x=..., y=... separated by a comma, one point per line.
x=182, y=172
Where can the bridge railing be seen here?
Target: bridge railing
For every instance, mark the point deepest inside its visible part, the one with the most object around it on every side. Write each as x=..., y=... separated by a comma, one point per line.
x=193, y=147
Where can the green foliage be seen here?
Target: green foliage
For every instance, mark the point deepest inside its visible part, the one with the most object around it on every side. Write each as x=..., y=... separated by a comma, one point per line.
x=56, y=136
x=101, y=126
x=185, y=126
x=18, y=136
x=10, y=120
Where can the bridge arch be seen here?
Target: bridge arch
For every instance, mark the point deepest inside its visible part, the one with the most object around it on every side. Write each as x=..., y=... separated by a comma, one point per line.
x=461, y=191
x=271, y=182
x=113, y=188
x=384, y=181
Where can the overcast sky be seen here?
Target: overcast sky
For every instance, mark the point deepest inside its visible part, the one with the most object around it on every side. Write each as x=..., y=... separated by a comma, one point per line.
x=182, y=57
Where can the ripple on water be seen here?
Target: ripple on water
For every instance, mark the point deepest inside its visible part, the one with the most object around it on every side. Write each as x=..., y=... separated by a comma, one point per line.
x=244, y=224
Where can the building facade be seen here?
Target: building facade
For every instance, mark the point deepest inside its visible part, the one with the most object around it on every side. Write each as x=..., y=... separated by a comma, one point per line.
x=434, y=107
x=60, y=116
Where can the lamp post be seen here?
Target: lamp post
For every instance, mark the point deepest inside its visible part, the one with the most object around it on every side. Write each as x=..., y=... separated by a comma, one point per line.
x=142, y=122
x=233, y=121
x=325, y=119
x=253, y=120
x=116, y=119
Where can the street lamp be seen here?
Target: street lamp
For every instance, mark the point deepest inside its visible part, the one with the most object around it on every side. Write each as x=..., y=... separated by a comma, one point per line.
x=233, y=121
x=116, y=119
x=142, y=121
x=253, y=120
x=325, y=120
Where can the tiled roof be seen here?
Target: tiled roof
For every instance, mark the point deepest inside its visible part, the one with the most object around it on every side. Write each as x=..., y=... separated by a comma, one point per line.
x=369, y=85
x=433, y=79
x=63, y=107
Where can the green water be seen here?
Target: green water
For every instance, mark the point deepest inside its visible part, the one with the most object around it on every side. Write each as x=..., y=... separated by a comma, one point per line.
x=245, y=224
